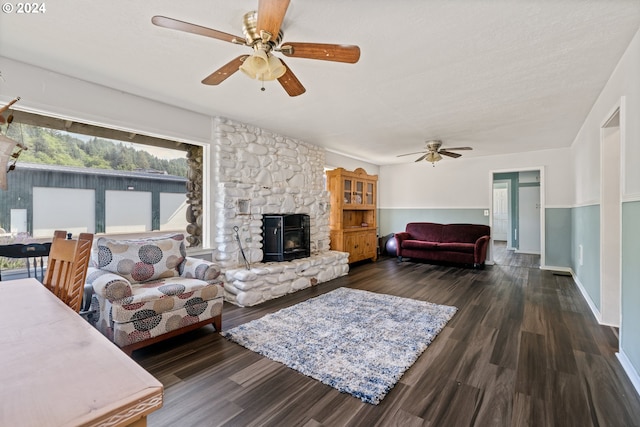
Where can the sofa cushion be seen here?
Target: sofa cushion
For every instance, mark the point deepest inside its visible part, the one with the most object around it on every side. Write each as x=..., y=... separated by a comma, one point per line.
x=142, y=260
x=199, y=269
x=457, y=247
x=426, y=231
x=463, y=233
x=419, y=244
x=161, y=296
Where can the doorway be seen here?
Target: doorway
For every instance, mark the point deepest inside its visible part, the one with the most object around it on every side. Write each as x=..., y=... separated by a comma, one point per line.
x=610, y=220
x=525, y=212
x=501, y=217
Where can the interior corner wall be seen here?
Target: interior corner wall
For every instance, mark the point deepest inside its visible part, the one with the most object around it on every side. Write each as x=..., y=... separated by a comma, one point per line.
x=622, y=89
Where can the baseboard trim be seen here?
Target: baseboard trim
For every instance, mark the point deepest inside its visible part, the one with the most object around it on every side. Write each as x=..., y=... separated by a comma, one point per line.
x=518, y=251
x=629, y=370
x=587, y=298
x=554, y=268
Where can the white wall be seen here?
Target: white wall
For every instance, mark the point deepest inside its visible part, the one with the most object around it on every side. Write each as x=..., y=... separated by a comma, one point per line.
x=466, y=183
x=623, y=87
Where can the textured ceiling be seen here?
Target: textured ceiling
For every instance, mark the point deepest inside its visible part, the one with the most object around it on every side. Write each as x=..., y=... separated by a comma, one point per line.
x=500, y=76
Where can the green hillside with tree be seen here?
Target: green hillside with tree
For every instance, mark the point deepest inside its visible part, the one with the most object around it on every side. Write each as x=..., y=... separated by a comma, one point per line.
x=53, y=147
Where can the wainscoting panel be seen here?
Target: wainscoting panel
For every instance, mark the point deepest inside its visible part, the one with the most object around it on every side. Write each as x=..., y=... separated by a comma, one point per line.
x=558, y=237
x=629, y=336
x=585, y=249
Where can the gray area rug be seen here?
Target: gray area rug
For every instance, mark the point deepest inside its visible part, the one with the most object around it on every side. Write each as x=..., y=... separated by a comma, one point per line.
x=358, y=342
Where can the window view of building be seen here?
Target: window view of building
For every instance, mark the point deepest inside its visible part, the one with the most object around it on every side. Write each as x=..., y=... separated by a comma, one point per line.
x=83, y=178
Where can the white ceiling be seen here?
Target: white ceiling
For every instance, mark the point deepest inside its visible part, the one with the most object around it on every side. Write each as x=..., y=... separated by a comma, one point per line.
x=502, y=76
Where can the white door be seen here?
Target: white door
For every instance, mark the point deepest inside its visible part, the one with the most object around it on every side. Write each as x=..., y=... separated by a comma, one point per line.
x=500, y=213
x=529, y=220
x=18, y=220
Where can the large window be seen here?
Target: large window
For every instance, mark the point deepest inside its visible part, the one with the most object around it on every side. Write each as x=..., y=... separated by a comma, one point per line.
x=85, y=178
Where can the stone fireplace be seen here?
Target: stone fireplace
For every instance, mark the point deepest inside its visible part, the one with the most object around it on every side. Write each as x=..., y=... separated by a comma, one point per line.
x=258, y=173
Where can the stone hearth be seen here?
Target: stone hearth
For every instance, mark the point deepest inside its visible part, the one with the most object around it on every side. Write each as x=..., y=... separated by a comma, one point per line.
x=274, y=279
x=257, y=172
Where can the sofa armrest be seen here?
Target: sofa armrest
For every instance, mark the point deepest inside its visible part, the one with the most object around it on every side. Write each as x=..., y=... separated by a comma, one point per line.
x=400, y=237
x=199, y=269
x=108, y=285
x=480, y=251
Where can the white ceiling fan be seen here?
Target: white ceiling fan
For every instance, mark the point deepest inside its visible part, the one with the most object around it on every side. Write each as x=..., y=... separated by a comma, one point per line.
x=434, y=152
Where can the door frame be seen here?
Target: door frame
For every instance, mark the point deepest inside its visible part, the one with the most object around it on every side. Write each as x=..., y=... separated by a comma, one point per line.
x=607, y=289
x=540, y=170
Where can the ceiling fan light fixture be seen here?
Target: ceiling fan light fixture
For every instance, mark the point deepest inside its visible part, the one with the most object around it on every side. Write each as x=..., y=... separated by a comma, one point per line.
x=256, y=64
x=262, y=65
x=433, y=156
x=276, y=68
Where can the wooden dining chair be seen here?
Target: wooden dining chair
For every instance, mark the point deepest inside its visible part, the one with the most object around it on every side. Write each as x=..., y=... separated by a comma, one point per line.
x=67, y=267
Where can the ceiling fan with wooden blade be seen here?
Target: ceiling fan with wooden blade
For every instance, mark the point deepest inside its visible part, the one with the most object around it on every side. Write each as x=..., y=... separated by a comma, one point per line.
x=262, y=32
x=434, y=152
x=290, y=82
x=222, y=73
x=326, y=52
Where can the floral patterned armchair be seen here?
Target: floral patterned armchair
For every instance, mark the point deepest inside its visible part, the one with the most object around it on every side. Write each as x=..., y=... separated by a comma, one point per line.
x=148, y=290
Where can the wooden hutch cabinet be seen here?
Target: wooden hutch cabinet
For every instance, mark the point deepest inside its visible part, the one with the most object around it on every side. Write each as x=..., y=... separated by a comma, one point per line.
x=353, y=213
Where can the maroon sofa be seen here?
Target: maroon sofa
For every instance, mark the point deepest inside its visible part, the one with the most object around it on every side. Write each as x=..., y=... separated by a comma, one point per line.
x=455, y=243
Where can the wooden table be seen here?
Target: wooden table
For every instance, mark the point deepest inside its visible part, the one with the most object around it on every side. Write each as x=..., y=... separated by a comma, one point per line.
x=58, y=370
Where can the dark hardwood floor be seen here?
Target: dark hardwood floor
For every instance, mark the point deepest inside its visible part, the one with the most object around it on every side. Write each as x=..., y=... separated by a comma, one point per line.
x=523, y=350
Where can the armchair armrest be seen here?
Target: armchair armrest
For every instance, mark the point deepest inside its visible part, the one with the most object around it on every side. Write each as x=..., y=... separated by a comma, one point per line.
x=400, y=237
x=480, y=251
x=199, y=269
x=108, y=285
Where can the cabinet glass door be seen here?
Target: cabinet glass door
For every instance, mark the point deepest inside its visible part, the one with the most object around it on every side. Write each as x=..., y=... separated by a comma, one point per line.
x=369, y=198
x=347, y=191
x=359, y=193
